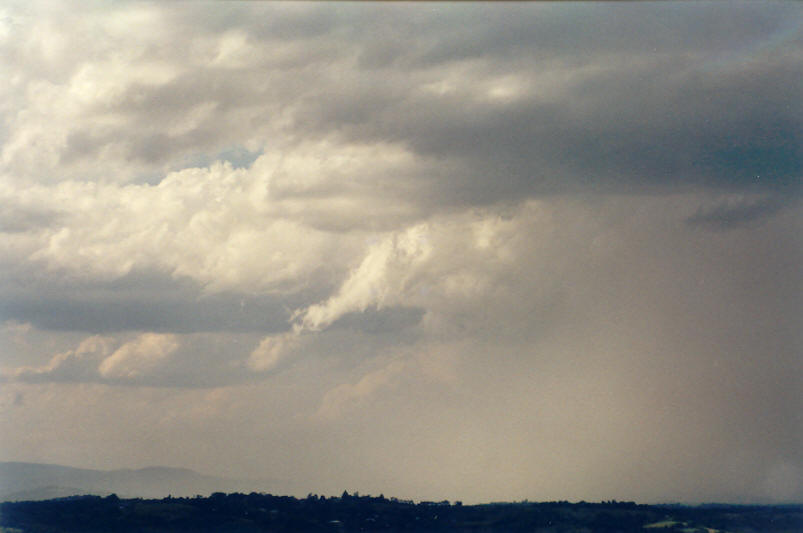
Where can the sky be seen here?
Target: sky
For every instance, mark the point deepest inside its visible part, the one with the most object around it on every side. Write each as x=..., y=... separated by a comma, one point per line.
x=544, y=251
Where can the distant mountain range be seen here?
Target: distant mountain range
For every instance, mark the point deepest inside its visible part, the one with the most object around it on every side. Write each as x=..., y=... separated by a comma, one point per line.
x=33, y=481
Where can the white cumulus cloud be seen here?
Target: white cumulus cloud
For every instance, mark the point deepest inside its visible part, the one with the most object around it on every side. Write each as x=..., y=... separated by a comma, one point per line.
x=139, y=356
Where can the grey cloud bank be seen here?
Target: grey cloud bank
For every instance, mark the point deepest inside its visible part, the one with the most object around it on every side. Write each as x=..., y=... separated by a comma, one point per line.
x=477, y=251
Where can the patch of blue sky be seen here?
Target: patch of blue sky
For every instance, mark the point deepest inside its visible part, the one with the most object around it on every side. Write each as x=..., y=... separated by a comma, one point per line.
x=238, y=156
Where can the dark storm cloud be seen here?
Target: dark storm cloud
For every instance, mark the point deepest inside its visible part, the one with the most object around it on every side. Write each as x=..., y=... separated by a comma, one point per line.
x=740, y=213
x=651, y=97
x=151, y=109
x=654, y=98
x=381, y=321
x=429, y=35
x=663, y=125
x=180, y=314
x=144, y=302
x=185, y=313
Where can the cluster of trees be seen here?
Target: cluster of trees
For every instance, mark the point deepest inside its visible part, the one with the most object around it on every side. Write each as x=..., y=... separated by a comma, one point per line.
x=255, y=512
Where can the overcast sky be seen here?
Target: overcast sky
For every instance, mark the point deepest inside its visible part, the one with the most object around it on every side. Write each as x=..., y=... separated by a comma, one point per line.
x=465, y=251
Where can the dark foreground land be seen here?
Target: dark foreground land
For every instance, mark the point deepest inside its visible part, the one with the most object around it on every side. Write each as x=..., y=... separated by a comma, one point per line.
x=222, y=513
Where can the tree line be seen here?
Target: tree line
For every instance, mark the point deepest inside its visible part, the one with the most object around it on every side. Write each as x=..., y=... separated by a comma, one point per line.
x=258, y=512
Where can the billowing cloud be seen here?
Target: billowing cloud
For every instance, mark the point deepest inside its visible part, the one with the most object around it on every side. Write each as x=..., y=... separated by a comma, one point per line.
x=505, y=91
x=139, y=356
x=78, y=365
x=381, y=278
x=145, y=359
x=99, y=358
x=272, y=350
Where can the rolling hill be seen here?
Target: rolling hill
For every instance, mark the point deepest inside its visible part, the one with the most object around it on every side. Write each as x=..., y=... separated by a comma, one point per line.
x=33, y=481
